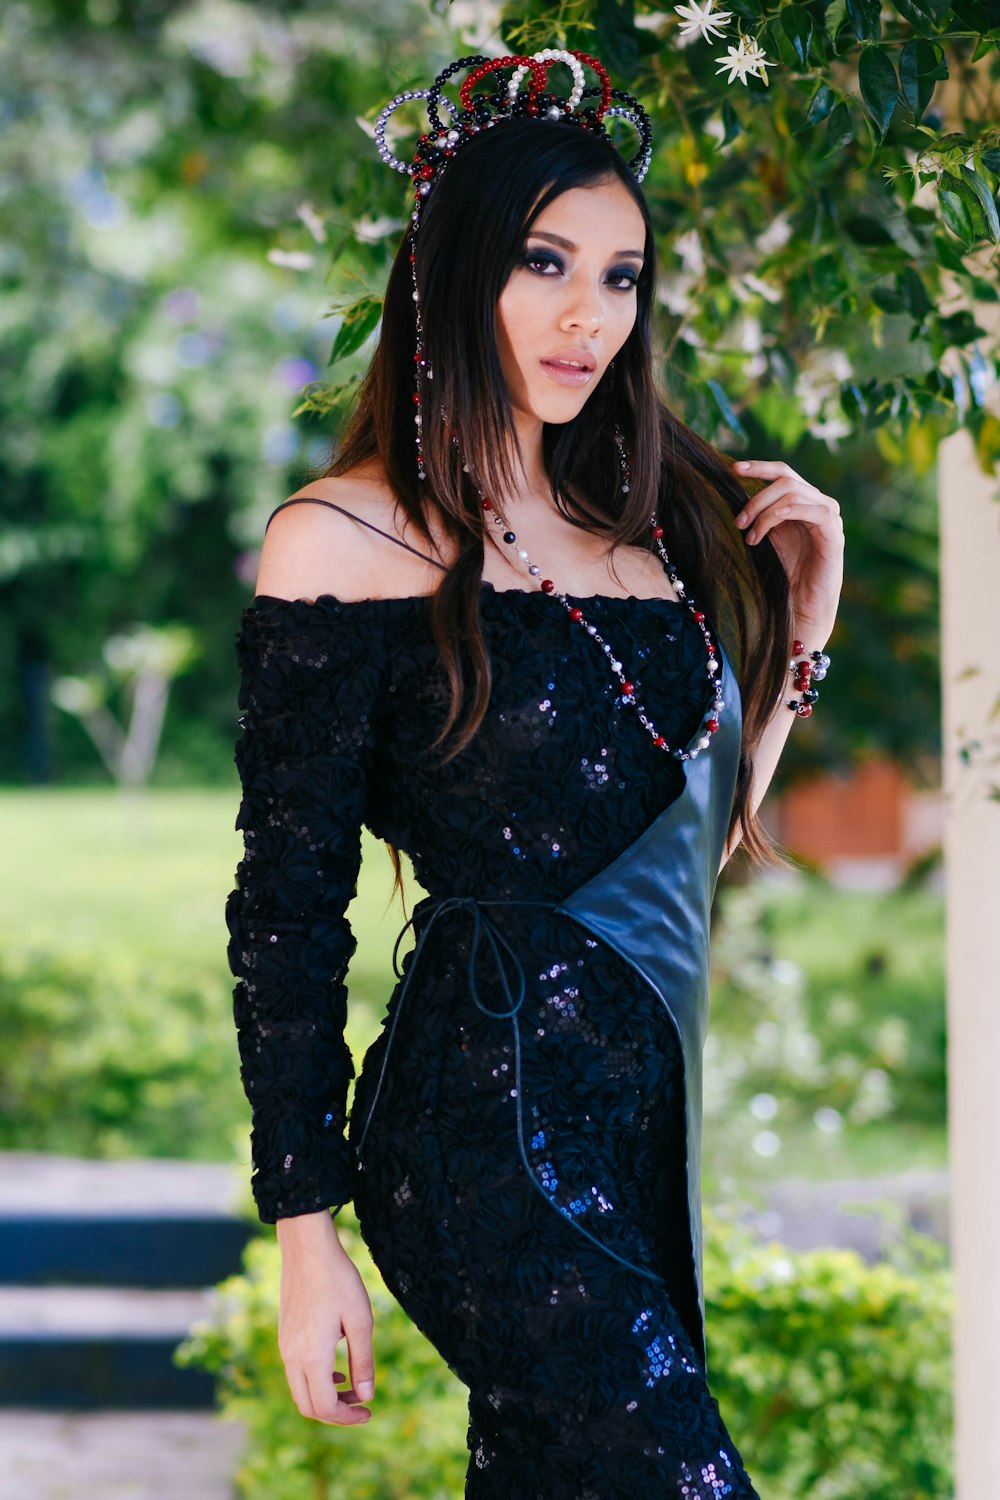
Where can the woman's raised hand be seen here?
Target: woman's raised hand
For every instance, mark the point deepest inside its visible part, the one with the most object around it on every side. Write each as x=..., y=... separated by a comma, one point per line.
x=807, y=533
x=323, y=1300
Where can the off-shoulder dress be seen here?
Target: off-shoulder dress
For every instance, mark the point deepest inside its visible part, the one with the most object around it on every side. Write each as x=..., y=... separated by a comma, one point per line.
x=522, y=1147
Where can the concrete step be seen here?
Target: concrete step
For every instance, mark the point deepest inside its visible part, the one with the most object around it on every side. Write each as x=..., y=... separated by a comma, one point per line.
x=857, y=1213
x=146, y=1223
x=104, y=1266
x=117, y=1455
x=82, y=1349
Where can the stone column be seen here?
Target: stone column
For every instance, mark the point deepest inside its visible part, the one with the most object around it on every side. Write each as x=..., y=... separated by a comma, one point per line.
x=970, y=584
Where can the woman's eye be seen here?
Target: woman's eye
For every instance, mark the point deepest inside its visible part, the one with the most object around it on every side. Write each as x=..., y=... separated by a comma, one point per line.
x=535, y=258
x=544, y=263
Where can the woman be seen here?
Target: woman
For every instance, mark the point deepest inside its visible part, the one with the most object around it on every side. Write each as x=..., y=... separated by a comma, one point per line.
x=494, y=635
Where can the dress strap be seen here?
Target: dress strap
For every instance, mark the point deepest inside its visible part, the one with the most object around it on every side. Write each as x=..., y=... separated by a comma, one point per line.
x=315, y=500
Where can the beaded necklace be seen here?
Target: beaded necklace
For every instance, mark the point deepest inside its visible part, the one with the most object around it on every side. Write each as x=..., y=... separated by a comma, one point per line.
x=710, y=722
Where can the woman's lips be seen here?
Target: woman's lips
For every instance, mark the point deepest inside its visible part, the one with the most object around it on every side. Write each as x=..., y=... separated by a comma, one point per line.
x=565, y=374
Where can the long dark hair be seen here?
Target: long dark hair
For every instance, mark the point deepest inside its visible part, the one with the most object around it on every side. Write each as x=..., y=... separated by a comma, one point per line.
x=472, y=232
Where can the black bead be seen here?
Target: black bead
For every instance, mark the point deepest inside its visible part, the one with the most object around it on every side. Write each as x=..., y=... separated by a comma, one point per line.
x=509, y=538
x=809, y=695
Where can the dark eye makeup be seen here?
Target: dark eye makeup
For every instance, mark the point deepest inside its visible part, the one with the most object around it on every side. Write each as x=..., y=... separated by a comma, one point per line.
x=532, y=258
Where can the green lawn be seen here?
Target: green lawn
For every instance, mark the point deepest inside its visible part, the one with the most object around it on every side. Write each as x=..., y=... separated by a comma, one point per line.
x=92, y=870
x=821, y=998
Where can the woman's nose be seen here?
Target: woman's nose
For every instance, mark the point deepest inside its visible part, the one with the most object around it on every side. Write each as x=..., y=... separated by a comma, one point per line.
x=583, y=309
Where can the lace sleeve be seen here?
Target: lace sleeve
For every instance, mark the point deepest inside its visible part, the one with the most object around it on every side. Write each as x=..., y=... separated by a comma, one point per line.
x=309, y=680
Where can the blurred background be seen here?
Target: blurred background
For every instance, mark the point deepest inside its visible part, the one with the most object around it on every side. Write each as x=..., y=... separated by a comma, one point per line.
x=195, y=232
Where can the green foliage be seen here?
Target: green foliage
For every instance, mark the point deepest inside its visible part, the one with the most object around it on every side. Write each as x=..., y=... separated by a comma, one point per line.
x=836, y=1374
x=833, y=1377
x=858, y=163
x=110, y=1058
x=827, y=1026
x=412, y=1449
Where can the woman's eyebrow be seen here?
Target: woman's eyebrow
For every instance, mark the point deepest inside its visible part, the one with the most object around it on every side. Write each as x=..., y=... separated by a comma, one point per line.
x=557, y=239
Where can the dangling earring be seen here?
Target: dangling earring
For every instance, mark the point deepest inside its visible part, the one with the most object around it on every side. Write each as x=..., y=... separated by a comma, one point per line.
x=623, y=458
x=420, y=363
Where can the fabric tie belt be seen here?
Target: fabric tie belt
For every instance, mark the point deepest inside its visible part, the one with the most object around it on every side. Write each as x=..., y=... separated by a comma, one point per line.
x=489, y=939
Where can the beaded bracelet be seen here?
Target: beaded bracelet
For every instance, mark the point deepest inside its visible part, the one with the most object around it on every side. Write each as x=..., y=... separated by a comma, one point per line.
x=807, y=667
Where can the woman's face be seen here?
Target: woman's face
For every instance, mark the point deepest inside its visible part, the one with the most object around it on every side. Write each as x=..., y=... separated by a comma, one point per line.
x=570, y=303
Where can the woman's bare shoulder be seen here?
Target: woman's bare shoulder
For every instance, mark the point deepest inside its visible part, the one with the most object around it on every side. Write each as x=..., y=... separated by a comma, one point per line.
x=331, y=548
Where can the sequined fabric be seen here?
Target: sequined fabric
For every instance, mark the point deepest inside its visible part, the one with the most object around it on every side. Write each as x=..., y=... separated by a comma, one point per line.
x=521, y=1176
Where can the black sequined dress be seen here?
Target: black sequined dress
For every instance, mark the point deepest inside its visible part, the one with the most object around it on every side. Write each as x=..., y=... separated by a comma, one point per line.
x=527, y=1178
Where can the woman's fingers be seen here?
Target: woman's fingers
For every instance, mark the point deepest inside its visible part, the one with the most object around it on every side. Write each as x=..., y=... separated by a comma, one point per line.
x=789, y=497
x=327, y=1404
x=299, y=1387
x=812, y=512
x=361, y=1359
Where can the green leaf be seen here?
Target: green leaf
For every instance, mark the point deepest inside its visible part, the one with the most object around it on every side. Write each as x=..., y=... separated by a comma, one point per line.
x=957, y=214
x=865, y=230
x=991, y=158
x=797, y=23
x=924, y=13
x=879, y=88
x=839, y=129
x=853, y=401
x=977, y=15
x=958, y=187
x=617, y=38
x=888, y=300
x=948, y=254
x=359, y=318
x=728, y=414
x=820, y=105
x=920, y=64
x=981, y=188
x=731, y=121
x=866, y=19
x=914, y=294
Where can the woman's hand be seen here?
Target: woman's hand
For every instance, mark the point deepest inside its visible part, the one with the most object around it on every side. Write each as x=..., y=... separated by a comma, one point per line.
x=807, y=533
x=323, y=1300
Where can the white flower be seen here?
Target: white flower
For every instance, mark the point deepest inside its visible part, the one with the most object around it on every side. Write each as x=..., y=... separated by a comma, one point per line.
x=744, y=59
x=702, y=18
x=757, y=53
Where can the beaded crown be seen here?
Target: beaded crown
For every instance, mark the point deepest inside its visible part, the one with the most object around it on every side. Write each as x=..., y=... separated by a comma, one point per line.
x=525, y=94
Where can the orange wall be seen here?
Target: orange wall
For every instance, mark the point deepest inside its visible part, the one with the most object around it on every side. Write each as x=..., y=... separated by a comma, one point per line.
x=854, y=816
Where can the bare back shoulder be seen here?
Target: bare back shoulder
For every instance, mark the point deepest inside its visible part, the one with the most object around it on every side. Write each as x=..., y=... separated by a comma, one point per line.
x=345, y=547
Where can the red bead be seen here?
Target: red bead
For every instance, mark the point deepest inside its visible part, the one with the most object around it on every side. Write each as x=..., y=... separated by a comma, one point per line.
x=628, y=687
x=659, y=742
x=804, y=710
x=427, y=172
x=797, y=648
x=710, y=648
x=574, y=614
x=657, y=532
x=547, y=585
x=487, y=504
x=711, y=725
x=699, y=616
x=416, y=398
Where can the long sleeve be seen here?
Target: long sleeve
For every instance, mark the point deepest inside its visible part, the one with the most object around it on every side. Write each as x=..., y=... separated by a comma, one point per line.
x=310, y=678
